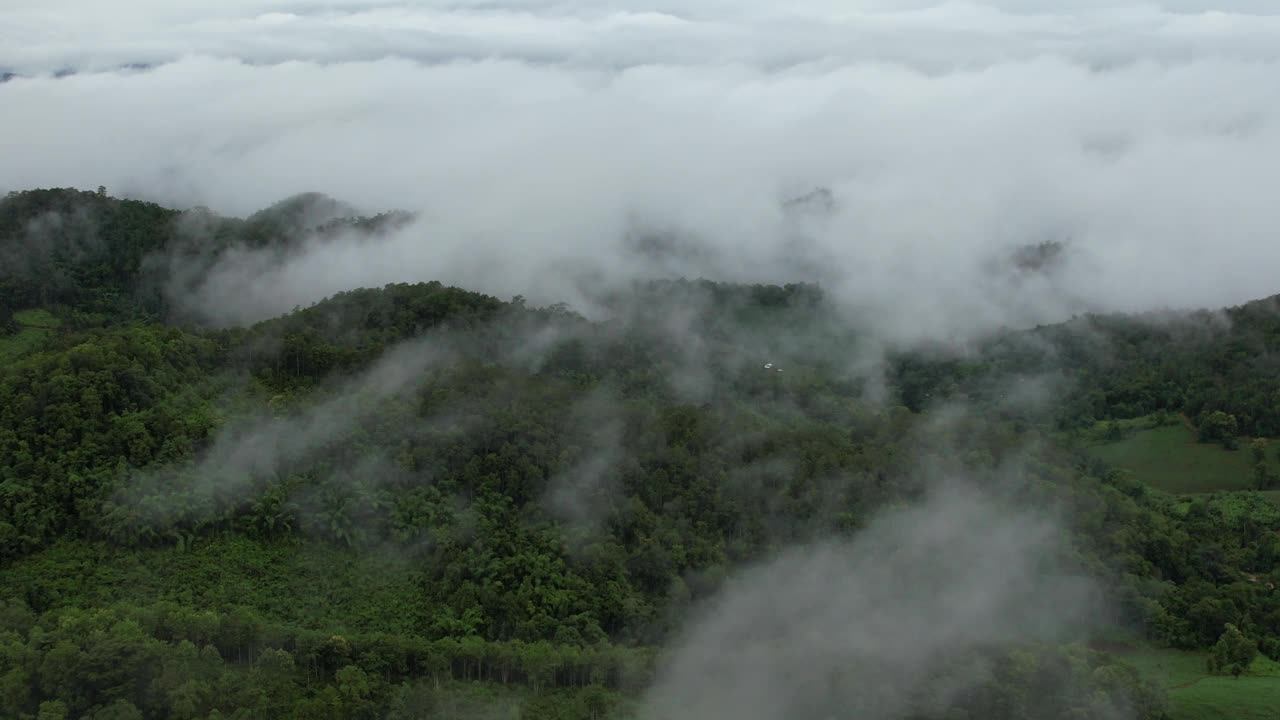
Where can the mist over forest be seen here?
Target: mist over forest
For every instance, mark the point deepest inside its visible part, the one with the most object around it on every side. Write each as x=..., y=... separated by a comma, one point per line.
x=875, y=359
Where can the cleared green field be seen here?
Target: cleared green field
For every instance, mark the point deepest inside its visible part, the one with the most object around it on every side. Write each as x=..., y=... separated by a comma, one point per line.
x=36, y=326
x=1169, y=458
x=1194, y=694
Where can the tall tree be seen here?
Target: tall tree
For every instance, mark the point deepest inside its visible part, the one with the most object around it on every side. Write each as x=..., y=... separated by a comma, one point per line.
x=1233, y=652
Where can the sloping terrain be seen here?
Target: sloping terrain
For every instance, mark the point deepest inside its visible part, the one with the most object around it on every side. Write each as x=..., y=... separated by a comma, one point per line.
x=404, y=497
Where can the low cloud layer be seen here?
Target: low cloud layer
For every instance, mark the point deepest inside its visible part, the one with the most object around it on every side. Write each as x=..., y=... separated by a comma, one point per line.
x=536, y=138
x=54, y=35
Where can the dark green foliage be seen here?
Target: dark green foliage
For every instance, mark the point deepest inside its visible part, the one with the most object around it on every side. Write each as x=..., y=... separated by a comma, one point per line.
x=97, y=258
x=165, y=661
x=355, y=509
x=82, y=250
x=1258, y=450
x=1263, y=478
x=351, y=329
x=7, y=322
x=1120, y=366
x=74, y=419
x=1233, y=653
x=1220, y=427
x=1056, y=682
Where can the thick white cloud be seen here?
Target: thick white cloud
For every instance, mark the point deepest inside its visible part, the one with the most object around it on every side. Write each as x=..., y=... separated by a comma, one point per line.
x=49, y=35
x=531, y=134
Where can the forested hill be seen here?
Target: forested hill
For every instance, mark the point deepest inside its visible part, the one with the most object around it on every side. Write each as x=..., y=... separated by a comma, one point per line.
x=107, y=258
x=420, y=501
x=1127, y=366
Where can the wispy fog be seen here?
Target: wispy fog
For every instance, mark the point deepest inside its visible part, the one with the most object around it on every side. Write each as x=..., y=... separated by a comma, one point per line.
x=871, y=628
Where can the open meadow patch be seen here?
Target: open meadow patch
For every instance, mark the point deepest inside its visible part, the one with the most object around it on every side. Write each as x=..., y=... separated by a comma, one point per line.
x=34, y=327
x=1170, y=458
x=1194, y=694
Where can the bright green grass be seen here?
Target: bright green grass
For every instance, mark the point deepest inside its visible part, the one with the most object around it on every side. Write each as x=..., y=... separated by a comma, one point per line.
x=36, y=326
x=1194, y=694
x=1170, y=459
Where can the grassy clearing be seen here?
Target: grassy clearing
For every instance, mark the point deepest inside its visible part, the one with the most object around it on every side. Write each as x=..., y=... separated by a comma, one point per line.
x=35, y=327
x=1196, y=695
x=1169, y=458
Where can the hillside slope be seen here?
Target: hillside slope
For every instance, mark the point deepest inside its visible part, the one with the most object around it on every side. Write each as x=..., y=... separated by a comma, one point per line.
x=417, y=497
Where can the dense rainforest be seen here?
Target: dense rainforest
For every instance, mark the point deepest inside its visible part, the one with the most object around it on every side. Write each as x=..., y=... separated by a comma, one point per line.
x=419, y=501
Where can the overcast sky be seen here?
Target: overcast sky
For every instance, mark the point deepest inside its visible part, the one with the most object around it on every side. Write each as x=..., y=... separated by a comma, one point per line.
x=530, y=134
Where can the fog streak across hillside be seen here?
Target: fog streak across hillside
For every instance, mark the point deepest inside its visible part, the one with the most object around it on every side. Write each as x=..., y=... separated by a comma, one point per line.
x=538, y=140
x=249, y=449
x=871, y=627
